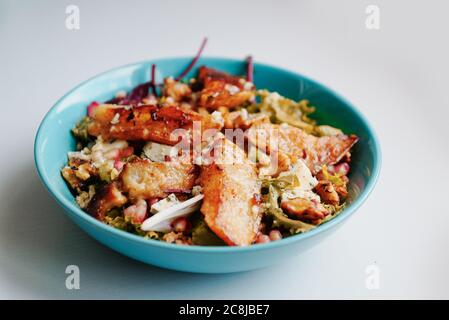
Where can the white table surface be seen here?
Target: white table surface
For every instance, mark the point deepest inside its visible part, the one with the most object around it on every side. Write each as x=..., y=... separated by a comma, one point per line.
x=397, y=76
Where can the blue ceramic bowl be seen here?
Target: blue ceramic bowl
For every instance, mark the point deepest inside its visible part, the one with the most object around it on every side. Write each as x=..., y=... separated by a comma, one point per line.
x=54, y=140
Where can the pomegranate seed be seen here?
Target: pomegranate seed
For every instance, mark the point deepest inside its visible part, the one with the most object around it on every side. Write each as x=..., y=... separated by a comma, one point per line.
x=275, y=235
x=124, y=153
x=118, y=164
x=262, y=238
x=342, y=168
x=137, y=212
x=180, y=224
x=91, y=107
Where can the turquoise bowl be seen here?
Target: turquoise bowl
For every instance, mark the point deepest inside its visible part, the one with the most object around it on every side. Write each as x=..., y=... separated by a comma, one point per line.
x=54, y=140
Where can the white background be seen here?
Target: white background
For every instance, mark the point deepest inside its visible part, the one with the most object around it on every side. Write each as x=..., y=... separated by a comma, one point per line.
x=397, y=76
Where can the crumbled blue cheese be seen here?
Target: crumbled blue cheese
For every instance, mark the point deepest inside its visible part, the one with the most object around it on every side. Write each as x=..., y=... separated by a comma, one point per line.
x=217, y=117
x=157, y=152
x=232, y=89
x=306, y=180
x=306, y=183
x=248, y=86
x=116, y=118
x=164, y=204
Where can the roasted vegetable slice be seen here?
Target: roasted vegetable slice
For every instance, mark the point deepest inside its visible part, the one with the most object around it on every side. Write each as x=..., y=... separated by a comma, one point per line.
x=147, y=122
x=207, y=75
x=223, y=90
x=142, y=178
x=297, y=144
x=218, y=94
x=230, y=190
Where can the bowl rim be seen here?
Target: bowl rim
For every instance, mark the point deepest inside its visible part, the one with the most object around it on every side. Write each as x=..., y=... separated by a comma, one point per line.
x=73, y=208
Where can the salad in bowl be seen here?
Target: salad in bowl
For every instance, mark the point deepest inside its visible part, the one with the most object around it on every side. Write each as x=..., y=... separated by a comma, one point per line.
x=208, y=160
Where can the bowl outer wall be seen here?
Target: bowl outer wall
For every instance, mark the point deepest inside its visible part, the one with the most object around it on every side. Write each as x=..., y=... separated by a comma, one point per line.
x=53, y=140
